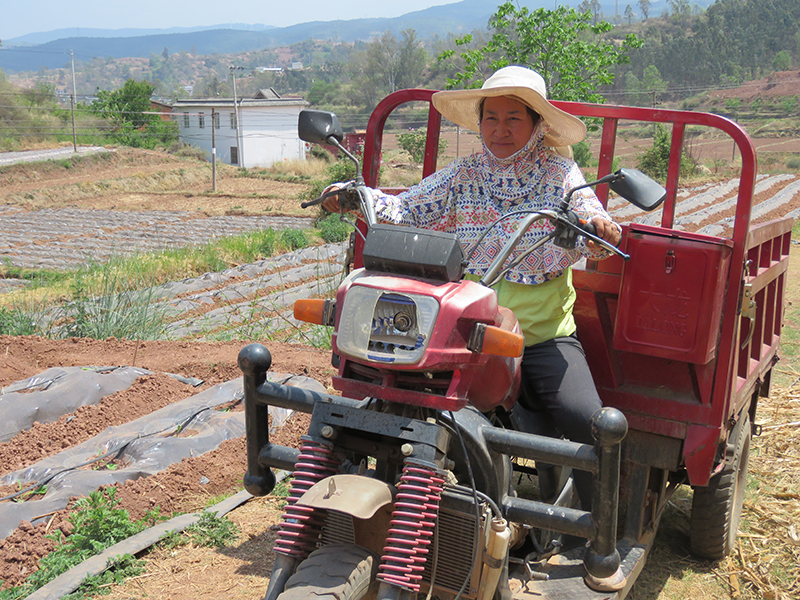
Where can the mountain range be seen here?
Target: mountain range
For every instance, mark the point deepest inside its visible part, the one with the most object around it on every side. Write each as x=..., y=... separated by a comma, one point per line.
x=51, y=50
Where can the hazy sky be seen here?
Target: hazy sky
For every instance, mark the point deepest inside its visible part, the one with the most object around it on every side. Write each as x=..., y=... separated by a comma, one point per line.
x=31, y=16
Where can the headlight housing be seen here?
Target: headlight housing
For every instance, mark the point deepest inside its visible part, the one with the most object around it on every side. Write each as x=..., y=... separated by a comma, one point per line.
x=384, y=326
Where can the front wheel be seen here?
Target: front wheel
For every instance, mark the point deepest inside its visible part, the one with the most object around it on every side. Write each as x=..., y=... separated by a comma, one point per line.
x=334, y=572
x=717, y=508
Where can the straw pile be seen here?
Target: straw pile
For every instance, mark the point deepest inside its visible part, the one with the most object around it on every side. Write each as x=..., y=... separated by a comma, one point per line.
x=766, y=562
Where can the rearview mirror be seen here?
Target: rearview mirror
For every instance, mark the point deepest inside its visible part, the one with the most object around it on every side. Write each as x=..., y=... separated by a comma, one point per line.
x=638, y=189
x=316, y=126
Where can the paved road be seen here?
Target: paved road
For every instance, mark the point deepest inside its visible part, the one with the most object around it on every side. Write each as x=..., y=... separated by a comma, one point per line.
x=10, y=158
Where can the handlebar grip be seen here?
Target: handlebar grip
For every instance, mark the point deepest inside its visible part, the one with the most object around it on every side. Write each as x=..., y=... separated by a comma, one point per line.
x=321, y=198
x=588, y=227
x=313, y=202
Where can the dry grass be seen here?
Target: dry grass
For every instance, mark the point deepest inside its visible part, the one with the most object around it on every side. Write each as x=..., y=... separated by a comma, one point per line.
x=767, y=561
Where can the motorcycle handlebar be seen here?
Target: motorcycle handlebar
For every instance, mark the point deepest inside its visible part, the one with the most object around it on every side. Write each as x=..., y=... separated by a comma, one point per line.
x=348, y=198
x=588, y=227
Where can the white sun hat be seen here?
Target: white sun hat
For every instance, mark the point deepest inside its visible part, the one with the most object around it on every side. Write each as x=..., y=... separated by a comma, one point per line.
x=462, y=107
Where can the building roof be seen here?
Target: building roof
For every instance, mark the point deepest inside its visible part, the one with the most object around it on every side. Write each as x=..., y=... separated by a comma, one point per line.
x=264, y=97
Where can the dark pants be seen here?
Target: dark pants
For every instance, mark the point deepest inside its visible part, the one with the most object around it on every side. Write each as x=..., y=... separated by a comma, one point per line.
x=559, y=386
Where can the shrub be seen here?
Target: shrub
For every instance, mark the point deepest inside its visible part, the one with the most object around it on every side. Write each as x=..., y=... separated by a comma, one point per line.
x=582, y=154
x=293, y=239
x=333, y=229
x=413, y=142
x=655, y=161
x=340, y=170
x=321, y=153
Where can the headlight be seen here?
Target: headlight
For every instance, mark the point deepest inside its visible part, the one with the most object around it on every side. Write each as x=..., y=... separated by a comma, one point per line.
x=385, y=326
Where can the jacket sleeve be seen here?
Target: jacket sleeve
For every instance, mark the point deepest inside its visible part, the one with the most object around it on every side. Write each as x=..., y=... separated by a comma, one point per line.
x=423, y=205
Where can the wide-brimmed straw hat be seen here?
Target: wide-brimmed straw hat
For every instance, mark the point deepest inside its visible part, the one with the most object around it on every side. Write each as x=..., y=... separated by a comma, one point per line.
x=462, y=106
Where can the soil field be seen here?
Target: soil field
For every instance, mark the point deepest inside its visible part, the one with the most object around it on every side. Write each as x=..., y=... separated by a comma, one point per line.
x=241, y=570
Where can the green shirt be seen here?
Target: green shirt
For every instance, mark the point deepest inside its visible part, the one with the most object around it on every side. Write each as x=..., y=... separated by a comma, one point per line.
x=544, y=310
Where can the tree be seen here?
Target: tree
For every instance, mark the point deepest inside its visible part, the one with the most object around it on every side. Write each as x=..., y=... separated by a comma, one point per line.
x=127, y=104
x=644, y=6
x=680, y=8
x=387, y=65
x=413, y=59
x=567, y=51
x=592, y=7
x=383, y=61
x=629, y=14
x=648, y=90
x=782, y=61
x=127, y=108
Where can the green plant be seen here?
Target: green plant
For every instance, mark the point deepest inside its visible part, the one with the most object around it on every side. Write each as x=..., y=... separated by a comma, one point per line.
x=320, y=152
x=582, y=154
x=332, y=229
x=793, y=163
x=338, y=171
x=119, y=569
x=111, y=306
x=655, y=161
x=293, y=239
x=413, y=142
x=564, y=46
x=212, y=531
x=97, y=524
x=732, y=104
x=13, y=321
x=789, y=104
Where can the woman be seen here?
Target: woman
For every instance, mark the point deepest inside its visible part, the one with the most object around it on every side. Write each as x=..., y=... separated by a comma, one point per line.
x=519, y=169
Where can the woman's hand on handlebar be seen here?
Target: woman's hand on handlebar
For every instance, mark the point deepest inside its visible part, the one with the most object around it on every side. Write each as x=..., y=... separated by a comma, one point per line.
x=606, y=230
x=331, y=203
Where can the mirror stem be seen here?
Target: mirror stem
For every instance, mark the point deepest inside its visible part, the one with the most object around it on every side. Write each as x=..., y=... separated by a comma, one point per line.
x=610, y=178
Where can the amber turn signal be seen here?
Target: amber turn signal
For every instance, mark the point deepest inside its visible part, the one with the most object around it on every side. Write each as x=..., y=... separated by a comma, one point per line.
x=313, y=310
x=494, y=340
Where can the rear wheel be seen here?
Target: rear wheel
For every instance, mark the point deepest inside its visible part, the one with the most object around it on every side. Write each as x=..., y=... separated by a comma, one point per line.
x=335, y=572
x=717, y=508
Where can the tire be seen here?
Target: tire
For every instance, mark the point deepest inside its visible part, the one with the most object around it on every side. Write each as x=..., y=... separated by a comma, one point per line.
x=717, y=508
x=334, y=572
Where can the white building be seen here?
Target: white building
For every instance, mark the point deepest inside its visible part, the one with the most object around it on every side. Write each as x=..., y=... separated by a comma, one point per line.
x=267, y=131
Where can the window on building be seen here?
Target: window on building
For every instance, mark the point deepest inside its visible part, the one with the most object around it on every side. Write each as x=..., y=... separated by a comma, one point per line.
x=202, y=120
x=233, y=120
x=234, y=155
x=216, y=120
x=186, y=119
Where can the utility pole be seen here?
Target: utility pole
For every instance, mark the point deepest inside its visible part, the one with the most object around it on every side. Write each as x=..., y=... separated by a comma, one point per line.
x=214, y=150
x=72, y=100
x=239, y=149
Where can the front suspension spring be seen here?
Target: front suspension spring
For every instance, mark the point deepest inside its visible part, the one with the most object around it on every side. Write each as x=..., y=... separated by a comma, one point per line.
x=411, y=528
x=302, y=525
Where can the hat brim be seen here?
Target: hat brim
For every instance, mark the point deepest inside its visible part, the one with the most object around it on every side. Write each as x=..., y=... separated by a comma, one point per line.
x=462, y=108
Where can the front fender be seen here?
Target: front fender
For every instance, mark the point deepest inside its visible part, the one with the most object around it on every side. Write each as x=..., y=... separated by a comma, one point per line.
x=354, y=495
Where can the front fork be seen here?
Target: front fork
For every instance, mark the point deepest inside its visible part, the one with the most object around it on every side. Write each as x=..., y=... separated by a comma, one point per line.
x=408, y=540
